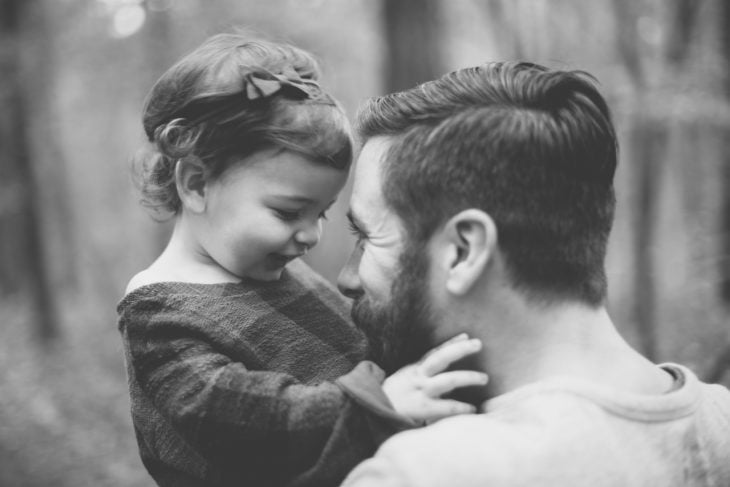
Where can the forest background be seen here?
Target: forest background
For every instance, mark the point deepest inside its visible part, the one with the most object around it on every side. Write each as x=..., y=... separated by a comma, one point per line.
x=73, y=76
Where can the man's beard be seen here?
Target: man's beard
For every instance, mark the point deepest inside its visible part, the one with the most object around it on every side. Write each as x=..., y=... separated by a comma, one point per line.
x=397, y=330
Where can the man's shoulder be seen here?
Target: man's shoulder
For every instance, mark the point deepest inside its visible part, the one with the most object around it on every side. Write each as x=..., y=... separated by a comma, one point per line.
x=540, y=433
x=523, y=422
x=715, y=406
x=492, y=448
x=717, y=394
x=545, y=430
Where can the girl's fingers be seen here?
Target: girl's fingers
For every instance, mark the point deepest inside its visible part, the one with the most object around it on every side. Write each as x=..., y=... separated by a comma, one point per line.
x=440, y=358
x=444, y=408
x=458, y=338
x=461, y=337
x=448, y=381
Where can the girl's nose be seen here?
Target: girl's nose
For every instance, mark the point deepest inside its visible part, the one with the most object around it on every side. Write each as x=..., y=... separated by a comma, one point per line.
x=309, y=235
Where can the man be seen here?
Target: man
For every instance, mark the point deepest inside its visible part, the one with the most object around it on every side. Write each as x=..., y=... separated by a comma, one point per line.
x=482, y=204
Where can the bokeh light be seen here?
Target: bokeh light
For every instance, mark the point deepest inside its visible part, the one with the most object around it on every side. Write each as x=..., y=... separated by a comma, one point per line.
x=127, y=20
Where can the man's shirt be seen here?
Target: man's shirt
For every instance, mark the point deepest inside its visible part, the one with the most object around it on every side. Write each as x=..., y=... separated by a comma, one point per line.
x=567, y=432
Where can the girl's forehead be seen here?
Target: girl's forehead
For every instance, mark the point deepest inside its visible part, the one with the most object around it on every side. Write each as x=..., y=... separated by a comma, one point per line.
x=286, y=174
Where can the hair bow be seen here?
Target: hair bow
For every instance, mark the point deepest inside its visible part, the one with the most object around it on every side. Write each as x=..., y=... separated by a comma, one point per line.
x=262, y=84
x=256, y=86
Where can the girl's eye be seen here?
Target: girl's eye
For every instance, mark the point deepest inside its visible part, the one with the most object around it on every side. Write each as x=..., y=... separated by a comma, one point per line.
x=323, y=215
x=287, y=215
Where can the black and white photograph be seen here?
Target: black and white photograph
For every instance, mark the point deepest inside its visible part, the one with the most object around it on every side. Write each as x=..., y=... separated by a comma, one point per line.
x=364, y=243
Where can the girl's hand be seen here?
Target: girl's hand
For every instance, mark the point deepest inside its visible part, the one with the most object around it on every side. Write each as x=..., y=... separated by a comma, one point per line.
x=415, y=390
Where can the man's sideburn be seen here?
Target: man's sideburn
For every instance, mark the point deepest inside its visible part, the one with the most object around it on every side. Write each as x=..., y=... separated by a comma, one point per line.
x=398, y=330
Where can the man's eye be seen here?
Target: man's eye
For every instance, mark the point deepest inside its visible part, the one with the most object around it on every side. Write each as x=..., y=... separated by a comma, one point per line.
x=287, y=215
x=355, y=230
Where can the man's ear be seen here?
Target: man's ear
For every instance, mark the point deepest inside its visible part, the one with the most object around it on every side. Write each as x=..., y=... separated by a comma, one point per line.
x=191, y=178
x=470, y=242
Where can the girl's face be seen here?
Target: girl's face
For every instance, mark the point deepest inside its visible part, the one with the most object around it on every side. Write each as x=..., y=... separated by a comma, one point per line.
x=266, y=210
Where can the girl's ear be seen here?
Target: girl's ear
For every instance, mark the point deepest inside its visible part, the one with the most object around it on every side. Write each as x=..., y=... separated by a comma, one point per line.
x=470, y=241
x=191, y=178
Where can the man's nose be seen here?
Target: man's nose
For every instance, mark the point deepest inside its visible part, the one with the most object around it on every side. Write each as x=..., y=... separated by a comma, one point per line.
x=309, y=235
x=348, y=282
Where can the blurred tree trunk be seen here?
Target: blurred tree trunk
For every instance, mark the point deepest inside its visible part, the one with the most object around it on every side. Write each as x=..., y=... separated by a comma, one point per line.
x=721, y=364
x=645, y=147
x=11, y=152
x=719, y=368
x=51, y=170
x=23, y=264
x=725, y=222
x=683, y=23
x=648, y=142
x=648, y=146
x=413, y=31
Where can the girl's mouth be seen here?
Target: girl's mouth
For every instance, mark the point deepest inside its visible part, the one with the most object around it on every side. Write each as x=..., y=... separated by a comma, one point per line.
x=283, y=259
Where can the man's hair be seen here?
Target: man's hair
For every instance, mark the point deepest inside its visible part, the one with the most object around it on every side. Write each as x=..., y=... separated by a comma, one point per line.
x=532, y=147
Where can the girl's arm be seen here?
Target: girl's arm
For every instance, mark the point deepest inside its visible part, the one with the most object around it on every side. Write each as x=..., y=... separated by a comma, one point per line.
x=264, y=426
x=261, y=426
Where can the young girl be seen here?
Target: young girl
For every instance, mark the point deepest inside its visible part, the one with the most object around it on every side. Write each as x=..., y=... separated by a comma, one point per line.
x=243, y=366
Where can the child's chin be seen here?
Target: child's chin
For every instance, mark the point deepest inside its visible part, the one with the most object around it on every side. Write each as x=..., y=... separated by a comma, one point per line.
x=267, y=274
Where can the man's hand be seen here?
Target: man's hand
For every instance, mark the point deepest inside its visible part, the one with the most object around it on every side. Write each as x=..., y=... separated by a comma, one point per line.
x=415, y=390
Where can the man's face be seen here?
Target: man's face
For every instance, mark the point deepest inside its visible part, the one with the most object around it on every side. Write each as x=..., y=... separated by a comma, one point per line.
x=386, y=278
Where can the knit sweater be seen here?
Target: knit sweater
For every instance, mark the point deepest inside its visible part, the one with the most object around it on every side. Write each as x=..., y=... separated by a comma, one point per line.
x=251, y=383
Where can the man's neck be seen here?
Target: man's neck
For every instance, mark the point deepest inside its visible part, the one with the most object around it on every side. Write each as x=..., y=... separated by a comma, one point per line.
x=525, y=343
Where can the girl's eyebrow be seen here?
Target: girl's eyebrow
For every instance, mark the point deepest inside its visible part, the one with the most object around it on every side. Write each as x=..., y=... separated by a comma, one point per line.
x=297, y=199
x=301, y=199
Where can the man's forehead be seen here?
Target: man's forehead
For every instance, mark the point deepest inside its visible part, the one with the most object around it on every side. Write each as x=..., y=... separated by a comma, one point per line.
x=367, y=184
x=368, y=208
x=371, y=157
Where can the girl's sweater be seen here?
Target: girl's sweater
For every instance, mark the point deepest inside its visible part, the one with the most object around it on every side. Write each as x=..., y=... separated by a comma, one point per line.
x=251, y=383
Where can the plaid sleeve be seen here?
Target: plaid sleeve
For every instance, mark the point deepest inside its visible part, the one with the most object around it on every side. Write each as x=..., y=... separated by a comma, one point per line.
x=261, y=427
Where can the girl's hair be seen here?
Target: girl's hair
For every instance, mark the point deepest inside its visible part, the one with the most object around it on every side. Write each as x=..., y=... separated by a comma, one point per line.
x=231, y=97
